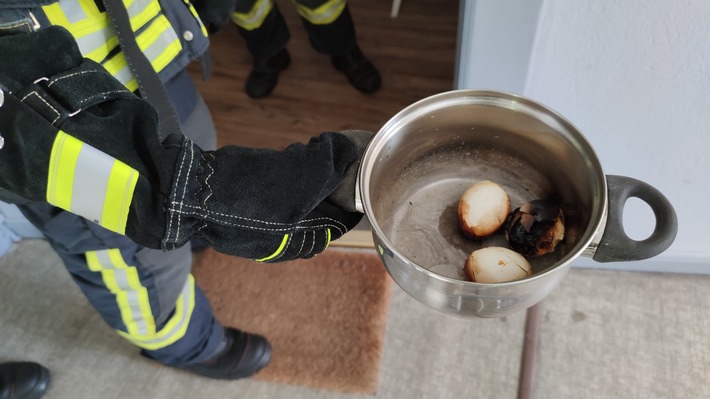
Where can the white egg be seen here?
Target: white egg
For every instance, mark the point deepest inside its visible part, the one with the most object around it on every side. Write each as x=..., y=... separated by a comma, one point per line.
x=483, y=209
x=496, y=265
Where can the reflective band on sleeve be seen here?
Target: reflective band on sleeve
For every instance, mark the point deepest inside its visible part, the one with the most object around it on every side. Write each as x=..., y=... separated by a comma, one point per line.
x=325, y=14
x=118, y=197
x=62, y=164
x=90, y=183
x=175, y=328
x=92, y=173
x=255, y=17
x=278, y=251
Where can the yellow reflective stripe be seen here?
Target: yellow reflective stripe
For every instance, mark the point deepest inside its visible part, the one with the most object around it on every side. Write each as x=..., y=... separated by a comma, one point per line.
x=118, y=67
x=123, y=281
x=55, y=15
x=62, y=165
x=175, y=328
x=161, y=36
x=97, y=40
x=255, y=17
x=278, y=251
x=92, y=34
x=197, y=17
x=97, y=45
x=327, y=239
x=141, y=12
x=105, y=190
x=325, y=14
x=119, y=194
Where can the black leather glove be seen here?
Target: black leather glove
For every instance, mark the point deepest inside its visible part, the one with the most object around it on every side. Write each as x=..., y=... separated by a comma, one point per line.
x=214, y=13
x=260, y=203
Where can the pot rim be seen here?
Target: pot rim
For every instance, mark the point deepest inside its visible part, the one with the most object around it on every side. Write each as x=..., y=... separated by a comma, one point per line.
x=593, y=231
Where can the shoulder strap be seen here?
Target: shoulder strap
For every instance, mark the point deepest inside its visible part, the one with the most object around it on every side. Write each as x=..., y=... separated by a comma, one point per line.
x=149, y=84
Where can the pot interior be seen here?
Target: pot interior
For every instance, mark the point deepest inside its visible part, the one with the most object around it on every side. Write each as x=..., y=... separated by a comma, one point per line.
x=422, y=161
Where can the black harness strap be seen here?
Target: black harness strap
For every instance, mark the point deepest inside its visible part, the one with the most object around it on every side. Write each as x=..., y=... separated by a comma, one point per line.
x=149, y=84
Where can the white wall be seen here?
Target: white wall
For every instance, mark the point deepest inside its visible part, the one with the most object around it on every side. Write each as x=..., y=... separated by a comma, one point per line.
x=634, y=77
x=495, y=43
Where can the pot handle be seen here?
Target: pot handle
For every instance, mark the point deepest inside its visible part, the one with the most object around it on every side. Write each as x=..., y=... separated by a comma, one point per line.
x=615, y=245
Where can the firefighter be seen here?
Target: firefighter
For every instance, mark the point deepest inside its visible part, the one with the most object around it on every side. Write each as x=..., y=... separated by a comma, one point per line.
x=330, y=30
x=119, y=191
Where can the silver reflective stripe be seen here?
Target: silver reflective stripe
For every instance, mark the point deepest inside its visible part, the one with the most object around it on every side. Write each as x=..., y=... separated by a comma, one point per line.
x=121, y=278
x=124, y=75
x=137, y=7
x=175, y=327
x=91, y=177
x=95, y=41
x=73, y=11
x=167, y=37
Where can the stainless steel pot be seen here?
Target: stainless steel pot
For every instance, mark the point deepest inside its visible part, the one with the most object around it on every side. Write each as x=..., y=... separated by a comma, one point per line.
x=423, y=159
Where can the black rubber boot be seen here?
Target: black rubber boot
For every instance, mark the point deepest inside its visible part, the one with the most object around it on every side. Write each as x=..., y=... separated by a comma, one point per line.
x=360, y=72
x=23, y=380
x=243, y=355
x=263, y=78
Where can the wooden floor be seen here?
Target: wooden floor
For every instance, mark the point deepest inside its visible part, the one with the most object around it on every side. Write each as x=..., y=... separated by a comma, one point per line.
x=415, y=53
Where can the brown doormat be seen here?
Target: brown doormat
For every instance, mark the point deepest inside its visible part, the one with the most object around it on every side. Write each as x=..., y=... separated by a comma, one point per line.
x=325, y=317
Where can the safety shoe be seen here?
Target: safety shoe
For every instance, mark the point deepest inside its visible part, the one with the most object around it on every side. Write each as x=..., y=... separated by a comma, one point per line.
x=263, y=78
x=243, y=355
x=23, y=380
x=360, y=72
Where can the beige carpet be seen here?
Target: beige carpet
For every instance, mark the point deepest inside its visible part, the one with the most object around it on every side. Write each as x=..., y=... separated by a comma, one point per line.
x=604, y=334
x=324, y=316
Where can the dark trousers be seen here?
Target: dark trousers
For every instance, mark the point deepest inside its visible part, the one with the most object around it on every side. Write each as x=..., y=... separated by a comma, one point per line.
x=335, y=38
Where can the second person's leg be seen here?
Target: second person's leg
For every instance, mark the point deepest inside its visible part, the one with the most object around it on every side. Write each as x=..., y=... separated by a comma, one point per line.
x=331, y=31
x=264, y=29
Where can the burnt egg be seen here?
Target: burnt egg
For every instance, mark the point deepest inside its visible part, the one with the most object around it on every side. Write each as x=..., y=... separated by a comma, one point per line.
x=535, y=228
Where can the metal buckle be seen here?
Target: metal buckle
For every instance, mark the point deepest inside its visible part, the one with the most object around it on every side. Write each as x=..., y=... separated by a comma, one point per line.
x=45, y=79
